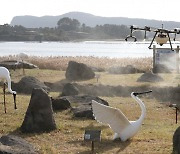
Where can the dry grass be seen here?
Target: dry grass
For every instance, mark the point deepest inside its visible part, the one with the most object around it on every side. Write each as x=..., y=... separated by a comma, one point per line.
x=155, y=136
x=61, y=63
x=105, y=78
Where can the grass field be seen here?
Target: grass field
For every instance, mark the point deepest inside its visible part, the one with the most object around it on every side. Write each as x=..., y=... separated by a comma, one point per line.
x=155, y=136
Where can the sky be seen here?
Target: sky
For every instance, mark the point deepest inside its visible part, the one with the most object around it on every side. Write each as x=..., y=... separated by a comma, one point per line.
x=168, y=10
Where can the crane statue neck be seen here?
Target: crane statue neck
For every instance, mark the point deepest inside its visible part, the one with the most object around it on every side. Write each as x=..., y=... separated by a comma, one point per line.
x=142, y=106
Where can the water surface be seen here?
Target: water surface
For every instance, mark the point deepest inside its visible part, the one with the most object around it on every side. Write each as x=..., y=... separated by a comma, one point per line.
x=109, y=49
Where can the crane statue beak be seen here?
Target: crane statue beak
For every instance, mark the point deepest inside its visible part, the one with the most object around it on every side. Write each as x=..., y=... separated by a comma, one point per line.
x=14, y=95
x=145, y=92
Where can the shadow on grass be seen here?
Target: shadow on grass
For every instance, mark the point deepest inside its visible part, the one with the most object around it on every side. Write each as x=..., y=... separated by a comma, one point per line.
x=103, y=146
x=19, y=133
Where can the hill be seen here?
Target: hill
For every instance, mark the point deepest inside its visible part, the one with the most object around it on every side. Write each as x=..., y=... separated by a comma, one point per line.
x=89, y=20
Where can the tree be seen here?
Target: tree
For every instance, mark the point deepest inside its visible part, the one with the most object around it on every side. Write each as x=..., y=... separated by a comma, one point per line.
x=75, y=24
x=68, y=24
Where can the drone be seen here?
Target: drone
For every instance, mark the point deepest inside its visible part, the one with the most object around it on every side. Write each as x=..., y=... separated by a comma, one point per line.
x=161, y=35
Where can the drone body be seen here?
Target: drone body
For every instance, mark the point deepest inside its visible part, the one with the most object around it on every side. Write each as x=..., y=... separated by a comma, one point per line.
x=161, y=35
x=161, y=39
x=123, y=128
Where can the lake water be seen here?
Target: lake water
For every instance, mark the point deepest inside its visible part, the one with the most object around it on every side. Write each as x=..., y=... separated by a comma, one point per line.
x=116, y=49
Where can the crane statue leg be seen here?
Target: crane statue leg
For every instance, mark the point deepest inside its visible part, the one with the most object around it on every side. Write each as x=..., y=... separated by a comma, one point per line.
x=14, y=96
x=4, y=92
x=5, y=76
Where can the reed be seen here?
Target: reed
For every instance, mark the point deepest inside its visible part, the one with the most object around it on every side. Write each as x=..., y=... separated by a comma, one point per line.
x=61, y=62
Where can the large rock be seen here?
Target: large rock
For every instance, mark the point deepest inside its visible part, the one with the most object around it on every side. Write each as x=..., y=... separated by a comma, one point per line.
x=39, y=115
x=60, y=103
x=69, y=89
x=149, y=77
x=176, y=141
x=78, y=71
x=11, y=144
x=81, y=105
x=28, y=83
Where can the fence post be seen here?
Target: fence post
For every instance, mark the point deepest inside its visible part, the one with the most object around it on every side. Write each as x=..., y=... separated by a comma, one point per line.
x=154, y=57
x=177, y=59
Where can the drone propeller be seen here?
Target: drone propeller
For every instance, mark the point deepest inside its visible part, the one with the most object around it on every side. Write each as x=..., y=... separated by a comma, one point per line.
x=177, y=30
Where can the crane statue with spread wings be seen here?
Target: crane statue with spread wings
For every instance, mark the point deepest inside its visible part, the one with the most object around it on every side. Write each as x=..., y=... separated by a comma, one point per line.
x=123, y=128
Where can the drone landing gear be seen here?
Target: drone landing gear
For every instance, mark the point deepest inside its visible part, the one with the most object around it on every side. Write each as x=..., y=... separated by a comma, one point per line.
x=129, y=36
x=161, y=40
x=152, y=40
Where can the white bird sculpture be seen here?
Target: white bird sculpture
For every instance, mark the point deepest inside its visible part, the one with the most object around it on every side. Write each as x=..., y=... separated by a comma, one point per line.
x=123, y=128
x=5, y=76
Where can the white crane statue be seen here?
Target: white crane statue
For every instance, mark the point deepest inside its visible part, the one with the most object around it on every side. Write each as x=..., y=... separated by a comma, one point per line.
x=123, y=128
x=5, y=76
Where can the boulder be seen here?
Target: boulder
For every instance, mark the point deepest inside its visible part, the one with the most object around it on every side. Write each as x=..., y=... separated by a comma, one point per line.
x=78, y=71
x=69, y=89
x=11, y=144
x=28, y=83
x=149, y=77
x=39, y=115
x=60, y=103
x=176, y=141
x=81, y=105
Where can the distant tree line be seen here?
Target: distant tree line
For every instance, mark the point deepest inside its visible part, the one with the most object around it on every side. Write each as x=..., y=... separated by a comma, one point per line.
x=67, y=30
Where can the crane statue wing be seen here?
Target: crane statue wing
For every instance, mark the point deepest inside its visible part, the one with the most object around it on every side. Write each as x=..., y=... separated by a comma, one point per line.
x=111, y=116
